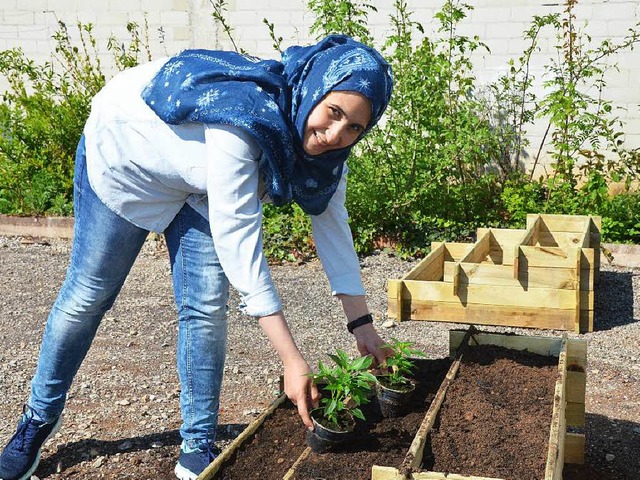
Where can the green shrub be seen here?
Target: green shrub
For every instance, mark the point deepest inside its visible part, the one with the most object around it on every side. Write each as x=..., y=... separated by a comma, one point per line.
x=42, y=116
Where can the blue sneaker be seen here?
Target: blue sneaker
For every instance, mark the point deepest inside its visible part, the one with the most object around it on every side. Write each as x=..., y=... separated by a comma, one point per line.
x=193, y=462
x=21, y=456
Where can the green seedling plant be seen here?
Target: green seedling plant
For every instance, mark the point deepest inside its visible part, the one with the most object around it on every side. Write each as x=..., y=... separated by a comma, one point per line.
x=399, y=366
x=350, y=385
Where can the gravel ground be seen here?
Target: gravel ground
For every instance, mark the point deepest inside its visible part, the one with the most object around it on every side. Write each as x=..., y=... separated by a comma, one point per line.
x=122, y=415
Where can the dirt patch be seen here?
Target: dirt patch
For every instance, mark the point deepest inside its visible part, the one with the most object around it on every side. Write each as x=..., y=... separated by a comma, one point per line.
x=496, y=416
x=271, y=451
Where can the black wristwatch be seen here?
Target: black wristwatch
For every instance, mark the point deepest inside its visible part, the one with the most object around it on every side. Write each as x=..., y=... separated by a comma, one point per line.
x=358, y=322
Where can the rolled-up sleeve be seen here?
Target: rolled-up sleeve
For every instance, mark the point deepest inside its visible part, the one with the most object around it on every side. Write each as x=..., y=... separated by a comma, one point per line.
x=235, y=214
x=334, y=244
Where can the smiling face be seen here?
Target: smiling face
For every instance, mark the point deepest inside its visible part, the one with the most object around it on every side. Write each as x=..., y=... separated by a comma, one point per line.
x=336, y=122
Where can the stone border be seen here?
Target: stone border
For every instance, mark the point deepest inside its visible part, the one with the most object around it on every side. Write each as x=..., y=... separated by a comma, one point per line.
x=48, y=227
x=621, y=255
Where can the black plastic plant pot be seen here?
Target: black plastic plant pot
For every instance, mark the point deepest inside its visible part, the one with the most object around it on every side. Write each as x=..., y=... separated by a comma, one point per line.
x=393, y=400
x=324, y=439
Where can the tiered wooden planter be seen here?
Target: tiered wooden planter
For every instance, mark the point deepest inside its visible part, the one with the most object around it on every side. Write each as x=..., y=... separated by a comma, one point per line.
x=568, y=408
x=540, y=277
x=568, y=411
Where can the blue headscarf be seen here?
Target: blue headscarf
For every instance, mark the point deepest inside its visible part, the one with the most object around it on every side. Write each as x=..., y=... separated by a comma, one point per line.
x=272, y=101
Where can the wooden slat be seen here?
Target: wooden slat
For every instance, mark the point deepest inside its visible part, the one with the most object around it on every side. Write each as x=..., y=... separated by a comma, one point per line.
x=210, y=472
x=480, y=249
x=292, y=471
x=503, y=236
x=446, y=476
x=549, y=346
x=577, y=354
x=488, y=295
x=555, y=457
x=562, y=223
x=531, y=317
x=576, y=322
x=586, y=320
x=574, y=447
x=416, y=450
x=501, y=275
x=547, y=257
x=530, y=237
x=453, y=251
x=576, y=382
x=429, y=268
x=575, y=414
x=576, y=386
x=386, y=473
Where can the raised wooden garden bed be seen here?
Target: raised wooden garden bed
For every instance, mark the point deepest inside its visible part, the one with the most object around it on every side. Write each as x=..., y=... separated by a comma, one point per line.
x=270, y=449
x=457, y=432
x=539, y=277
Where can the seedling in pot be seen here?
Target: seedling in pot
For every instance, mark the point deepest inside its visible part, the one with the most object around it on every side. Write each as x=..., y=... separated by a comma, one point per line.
x=398, y=367
x=350, y=385
x=395, y=387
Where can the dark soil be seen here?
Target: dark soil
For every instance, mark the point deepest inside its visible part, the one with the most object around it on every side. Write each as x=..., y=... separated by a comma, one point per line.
x=496, y=416
x=275, y=446
x=381, y=441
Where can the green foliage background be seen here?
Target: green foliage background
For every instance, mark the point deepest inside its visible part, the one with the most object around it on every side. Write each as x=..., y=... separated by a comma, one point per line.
x=446, y=159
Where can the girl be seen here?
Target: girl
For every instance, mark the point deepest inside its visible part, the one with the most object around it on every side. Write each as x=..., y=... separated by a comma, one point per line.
x=191, y=147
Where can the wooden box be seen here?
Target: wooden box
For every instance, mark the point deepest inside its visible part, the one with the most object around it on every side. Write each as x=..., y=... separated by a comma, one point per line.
x=539, y=277
x=568, y=408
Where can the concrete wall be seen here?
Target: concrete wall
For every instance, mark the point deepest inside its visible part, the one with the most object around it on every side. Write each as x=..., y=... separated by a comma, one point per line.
x=179, y=24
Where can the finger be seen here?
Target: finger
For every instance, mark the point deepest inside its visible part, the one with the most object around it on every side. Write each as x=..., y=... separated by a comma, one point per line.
x=303, y=411
x=315, y=396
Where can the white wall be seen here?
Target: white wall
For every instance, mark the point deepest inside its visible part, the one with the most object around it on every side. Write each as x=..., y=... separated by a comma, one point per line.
x=188, y=23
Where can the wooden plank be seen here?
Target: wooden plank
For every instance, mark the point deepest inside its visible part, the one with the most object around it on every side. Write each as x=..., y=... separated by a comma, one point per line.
x=576, y=327
x=576, y=386
x=562, y=223
x=429, y=268
x=575, y=414
x=595, y=227
x=446, y=476
x=210, y=472
x=292, y=471
x=555, y=456
x=529, y=237
x=531, y=317
x=502, y=275
x=563, y=240
x=386, y=473
x=503, y=236
x=549, y=346
x=586, y=320
x=574, y=447
x=587, y=300
x=577, y=354
x=547, y=257
x=453, y=250
x=479, y=251
x=488, y=295
x=416, y=450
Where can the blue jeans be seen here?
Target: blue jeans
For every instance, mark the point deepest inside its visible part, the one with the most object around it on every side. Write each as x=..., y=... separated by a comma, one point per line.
x=104, y=248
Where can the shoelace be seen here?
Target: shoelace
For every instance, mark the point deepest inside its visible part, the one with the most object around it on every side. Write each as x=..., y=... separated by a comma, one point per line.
x=210, y=455
x=24, y=434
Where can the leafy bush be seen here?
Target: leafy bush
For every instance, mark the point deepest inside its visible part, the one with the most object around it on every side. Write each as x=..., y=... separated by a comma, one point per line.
x=447, y=158
x=42, y=116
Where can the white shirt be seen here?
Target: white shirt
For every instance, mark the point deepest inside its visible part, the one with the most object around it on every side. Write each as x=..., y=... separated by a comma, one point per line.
x=145, y=170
